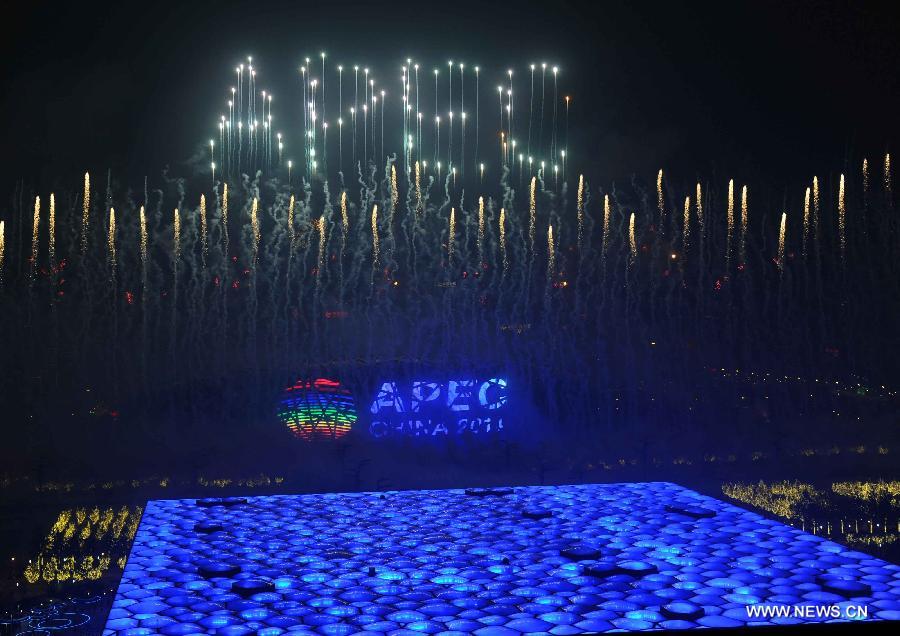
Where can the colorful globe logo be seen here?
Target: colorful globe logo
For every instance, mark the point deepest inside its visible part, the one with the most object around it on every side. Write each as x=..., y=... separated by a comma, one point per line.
x=317, y=409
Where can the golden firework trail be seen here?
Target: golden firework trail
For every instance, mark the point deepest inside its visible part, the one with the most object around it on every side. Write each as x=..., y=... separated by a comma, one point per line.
x=345, y=214
x=503, y=240
x=865, y=175
x=85, y=213
x=806, y=220
x=2, y=248
x=35, y=227
x=418, y=189
x=395, y=192
x=176, y=235
x=451, y=239
x=376, y=248
x=781, y=241
x=730, y=221
x=632, y=241
x=254, y=226
x=52, y=224
x=290, y=219
x=143, y=223
x=580, y=209
x=605, y=243
x=111, y=243
x=842, y=212
x=700, y=218
x=320, y=225
x=204, y=245
x=745, y=223
x=660, y=202
x=225, y=218
x=686, y=234
x=815, y=193
x=481, y=229
x=888, y=181
x=551, y=254
x=532, y=213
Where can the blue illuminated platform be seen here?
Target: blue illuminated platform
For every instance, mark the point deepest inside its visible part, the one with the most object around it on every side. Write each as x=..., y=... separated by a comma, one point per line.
x=549, y=559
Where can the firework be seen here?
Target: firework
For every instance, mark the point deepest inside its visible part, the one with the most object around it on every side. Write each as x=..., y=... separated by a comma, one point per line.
x=815, y=216
x=176, y=237
x=320, y=225
x=143, y=230
x=395, y=191
x=225, y=219
x=35, y=227
x=888, y=181
x=842, y=212
x=632, y=241
x=806, y=199
x=730, y=222
x=551, y=254
x=481, y=230
x=686, y=233
x=418, y=190
x=605, y=243
x=204, y=246
x=85, y=213
x=376, y=249
x=745, y=223
x=52, y=230
x=290, y=219
x=660, y=203
x=254, y=227
x=345, y=215
x=532, y=213
x=580, y=211
x=111, y=244
x=451, y=238
x=2, y=249
x=503, y=256
x=781, y=241
x=700, y=218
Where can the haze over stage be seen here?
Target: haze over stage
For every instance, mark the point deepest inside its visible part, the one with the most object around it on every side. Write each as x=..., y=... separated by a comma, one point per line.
x=557, y=559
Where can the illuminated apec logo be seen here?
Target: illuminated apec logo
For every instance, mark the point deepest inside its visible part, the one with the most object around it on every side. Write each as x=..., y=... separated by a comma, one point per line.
x=427, y=408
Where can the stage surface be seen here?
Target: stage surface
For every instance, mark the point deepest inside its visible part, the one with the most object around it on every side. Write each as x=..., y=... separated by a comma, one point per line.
x=548, y=559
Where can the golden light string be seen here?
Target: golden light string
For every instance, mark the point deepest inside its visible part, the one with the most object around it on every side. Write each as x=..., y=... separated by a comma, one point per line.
x=730, y=222
x=143, y=230
x=865, y=176
x=700, y=218
x=345, y=215
x=842, y=213
x=686, y=234
x=290, y=219
x=815, y=193
x=320, y=225
x=532, y=213
x=745, y=223
x=481, y=229
x=2, y=248
x=451, y=239
x=35, y=227
x=225, y=219
x=254, y=227
x=888, y=181
x=418, y=189
x=551, y=254
x=176, y=235
x=781, y=241
x=111, y=243
x=204, y=246
x=660, y=203
x=806, y=202
x=632, y=241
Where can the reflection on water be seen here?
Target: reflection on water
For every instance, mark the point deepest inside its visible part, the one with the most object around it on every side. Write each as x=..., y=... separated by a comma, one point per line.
x=862, y=514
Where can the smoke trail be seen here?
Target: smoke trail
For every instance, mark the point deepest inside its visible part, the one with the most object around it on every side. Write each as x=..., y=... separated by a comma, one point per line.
x=35, y=226
x=686, y=233
x=85, y=213
x=730, y=221
x=111, y=245
x=781, y=241
x=580, y=211
x=52, y=226
x=745, y=222
x=805, y=221
x=204, y=246
x=842, y=211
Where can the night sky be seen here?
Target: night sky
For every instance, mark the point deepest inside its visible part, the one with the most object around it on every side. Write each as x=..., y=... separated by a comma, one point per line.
x=762, y=90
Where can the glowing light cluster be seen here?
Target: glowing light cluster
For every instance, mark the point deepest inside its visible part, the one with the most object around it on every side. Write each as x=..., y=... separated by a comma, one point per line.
x=318, y=409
